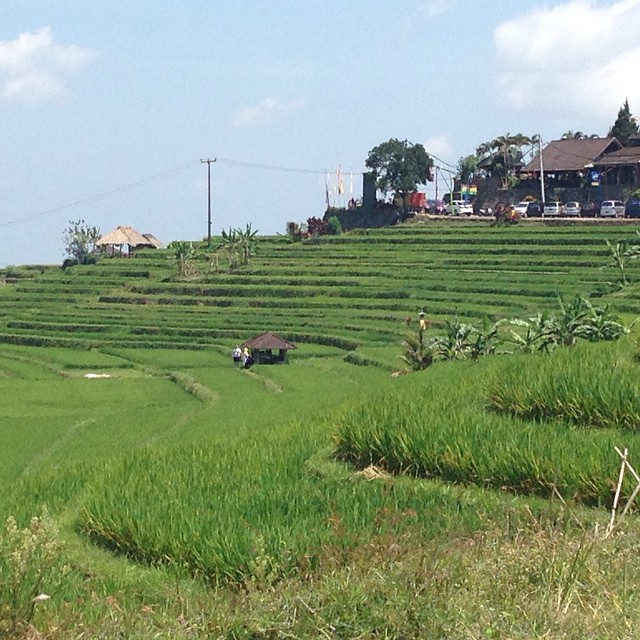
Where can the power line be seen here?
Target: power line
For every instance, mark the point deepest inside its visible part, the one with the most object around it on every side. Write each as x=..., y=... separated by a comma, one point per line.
x=268, y=167
x=453, y=166
x=144, y=181
x=99, y=196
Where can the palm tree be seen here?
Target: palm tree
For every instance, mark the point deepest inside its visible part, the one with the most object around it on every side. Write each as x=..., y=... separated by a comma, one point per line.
x=578, y=135
x=509, y=148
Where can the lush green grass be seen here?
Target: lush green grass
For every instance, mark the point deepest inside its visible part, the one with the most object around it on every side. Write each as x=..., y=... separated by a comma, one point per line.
x=436, y=428
x=588, y=387
x=216, y=486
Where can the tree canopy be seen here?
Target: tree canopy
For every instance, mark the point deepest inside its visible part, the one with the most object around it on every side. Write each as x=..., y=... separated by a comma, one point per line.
x=80, y=240
x=625, y=125
x=504, y=155
x=400, y=166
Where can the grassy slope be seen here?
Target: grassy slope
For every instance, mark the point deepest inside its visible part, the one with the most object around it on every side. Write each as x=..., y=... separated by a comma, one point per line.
x=72, y=446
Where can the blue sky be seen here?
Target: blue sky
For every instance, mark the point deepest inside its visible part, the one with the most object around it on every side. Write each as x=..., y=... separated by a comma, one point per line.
x=107, y=107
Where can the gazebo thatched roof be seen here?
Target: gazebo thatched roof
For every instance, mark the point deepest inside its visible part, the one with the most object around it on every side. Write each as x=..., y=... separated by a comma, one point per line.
x=124, y=235
x=153, y=241
x=269, y=340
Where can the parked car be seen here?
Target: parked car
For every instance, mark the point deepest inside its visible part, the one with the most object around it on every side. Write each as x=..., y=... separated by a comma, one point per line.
x=522, y=207
x=435, y=206
x=632, y=208
x=552, y=209
x=534, y=210
x=460, y=208
x=612, y=209
x=572, y=208
x=589, y=210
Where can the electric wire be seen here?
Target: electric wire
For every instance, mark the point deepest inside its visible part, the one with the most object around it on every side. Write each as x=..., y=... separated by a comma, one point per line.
x=180, y=169
x=99, y=196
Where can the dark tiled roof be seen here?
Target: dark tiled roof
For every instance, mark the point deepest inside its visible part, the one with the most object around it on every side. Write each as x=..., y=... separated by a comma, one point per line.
x=626, y=155
x=572, y=154
x=269, y=340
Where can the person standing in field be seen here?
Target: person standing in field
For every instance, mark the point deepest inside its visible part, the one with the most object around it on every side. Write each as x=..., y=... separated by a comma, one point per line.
x=237, y=356
x=422, y=321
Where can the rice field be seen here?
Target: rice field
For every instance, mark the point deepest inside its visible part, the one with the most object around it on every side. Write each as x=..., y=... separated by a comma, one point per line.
x=211, y=497
x=351, y=291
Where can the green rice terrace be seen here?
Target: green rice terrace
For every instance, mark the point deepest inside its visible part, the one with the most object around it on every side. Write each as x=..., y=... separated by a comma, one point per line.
x=474, y=479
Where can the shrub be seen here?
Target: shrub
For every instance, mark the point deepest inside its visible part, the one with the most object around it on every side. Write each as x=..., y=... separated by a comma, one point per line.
x=587, y=387
x=28, y=557
x=334, y=227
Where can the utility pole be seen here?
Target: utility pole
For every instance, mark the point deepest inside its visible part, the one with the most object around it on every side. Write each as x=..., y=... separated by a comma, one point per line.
x=208, y=161
x=542, y=193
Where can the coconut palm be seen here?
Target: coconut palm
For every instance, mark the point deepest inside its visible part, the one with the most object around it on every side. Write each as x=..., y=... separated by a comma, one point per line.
x=503, y=155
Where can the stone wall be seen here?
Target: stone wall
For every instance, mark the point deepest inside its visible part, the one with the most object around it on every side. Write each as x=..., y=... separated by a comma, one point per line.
x=365, y=217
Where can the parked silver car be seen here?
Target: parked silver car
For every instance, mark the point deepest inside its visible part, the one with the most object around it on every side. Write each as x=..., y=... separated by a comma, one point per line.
x=572, y=209
x=612, y=209
x=552, y=209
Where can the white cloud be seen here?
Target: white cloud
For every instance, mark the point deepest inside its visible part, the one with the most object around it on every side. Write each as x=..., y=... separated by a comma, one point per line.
x=435, y=8
x=33, y=66
x=438, y=146
x=577, y=58
x=268, y=111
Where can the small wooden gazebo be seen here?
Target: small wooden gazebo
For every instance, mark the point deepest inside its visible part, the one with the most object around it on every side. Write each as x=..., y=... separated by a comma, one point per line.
x=264, y=347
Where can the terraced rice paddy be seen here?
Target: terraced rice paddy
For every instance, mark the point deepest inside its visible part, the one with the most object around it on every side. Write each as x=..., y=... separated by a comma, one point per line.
x=200, y=500
x=349, y=291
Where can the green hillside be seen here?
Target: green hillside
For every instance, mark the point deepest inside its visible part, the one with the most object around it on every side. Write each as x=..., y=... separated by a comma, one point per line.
x=349, y=291
x=187, y=498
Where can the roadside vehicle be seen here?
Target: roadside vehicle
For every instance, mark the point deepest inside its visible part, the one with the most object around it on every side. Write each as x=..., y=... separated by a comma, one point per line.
x=534, y=210
x=589, y=210
x=552, y=209
x=435, y=206
x=459, y=208
x=612, y=209
x=632, y=208
x=572, y=208
x=522, y=207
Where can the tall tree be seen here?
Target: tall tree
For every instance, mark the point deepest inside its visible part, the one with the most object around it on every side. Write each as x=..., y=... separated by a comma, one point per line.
x=578, y=135
x=467, y=168
x=400, y=166
x=502, y=156
x=80, y=240
x=625, y=125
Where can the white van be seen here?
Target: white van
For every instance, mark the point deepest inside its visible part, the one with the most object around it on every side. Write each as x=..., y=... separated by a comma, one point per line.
x=612, y=209
x=459, y=208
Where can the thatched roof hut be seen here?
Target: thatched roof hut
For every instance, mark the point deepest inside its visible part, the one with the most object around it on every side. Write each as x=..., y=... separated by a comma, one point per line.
x=125, y=239
x=153, y=241
x=264, y=346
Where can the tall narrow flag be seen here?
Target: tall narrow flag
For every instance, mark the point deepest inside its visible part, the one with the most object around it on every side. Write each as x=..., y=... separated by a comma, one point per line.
x=326, y=189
